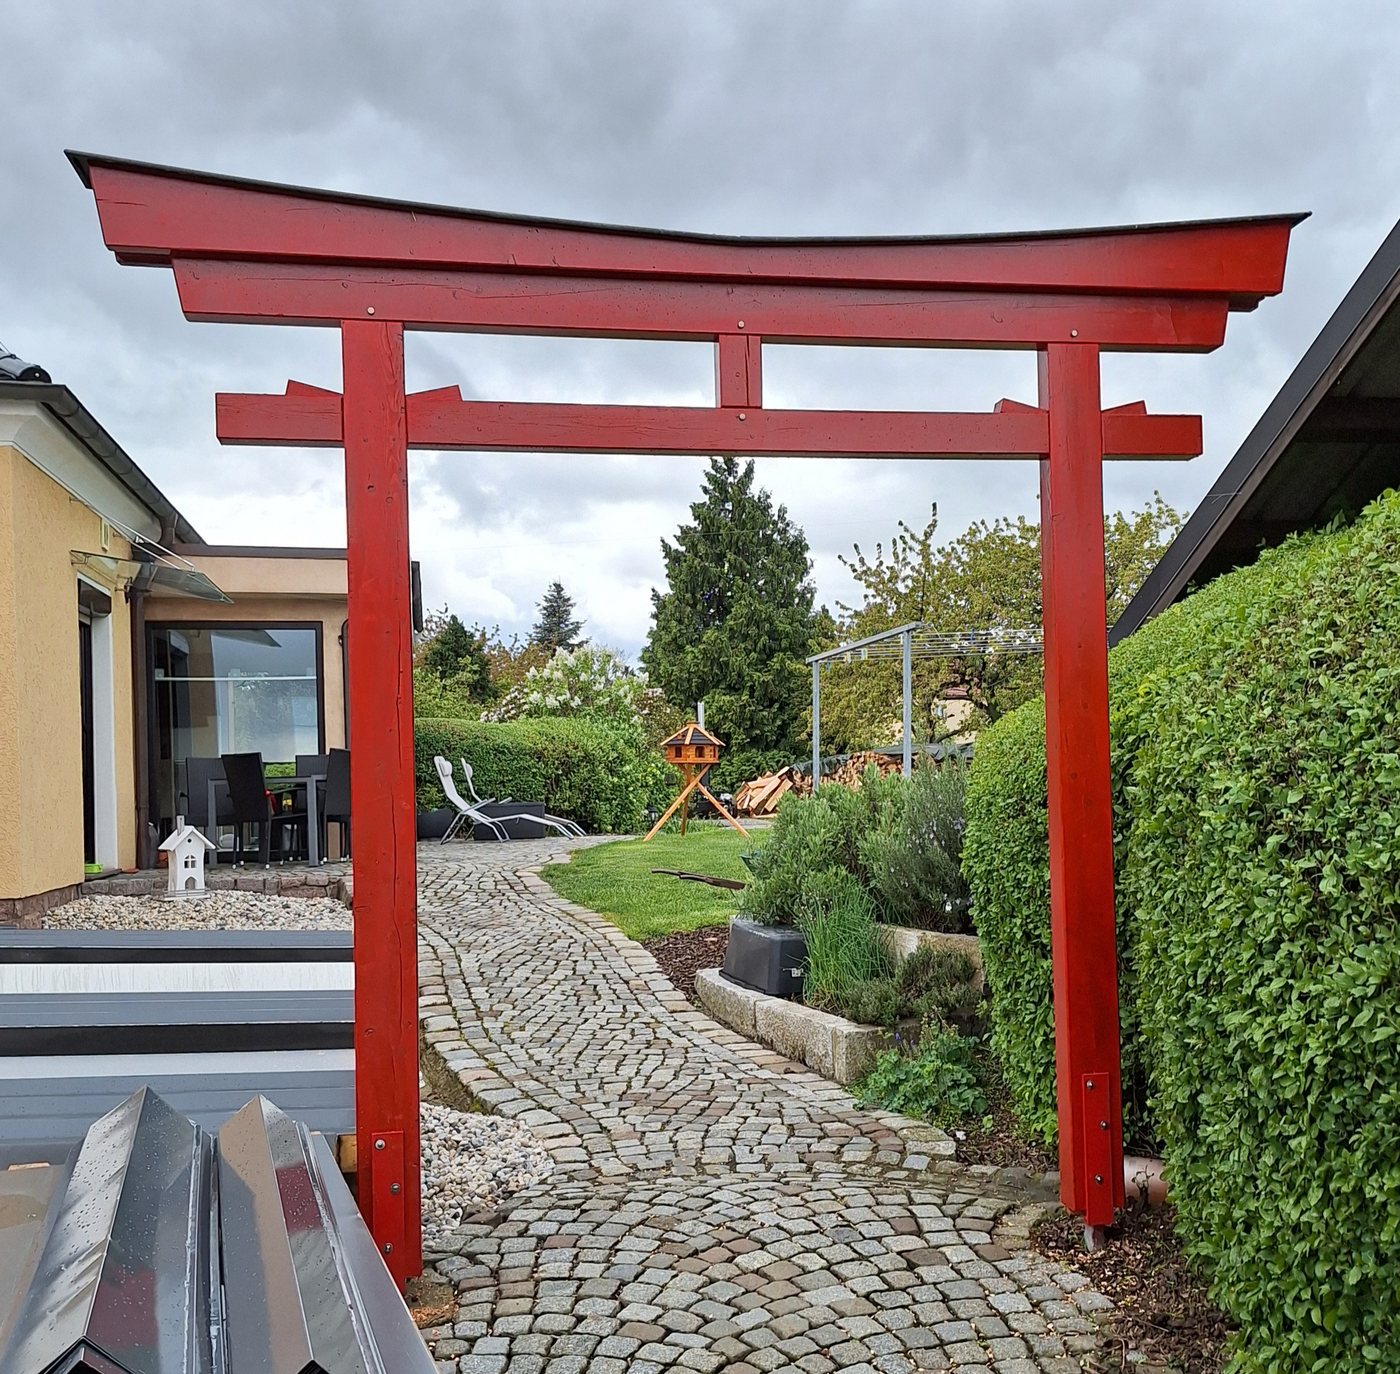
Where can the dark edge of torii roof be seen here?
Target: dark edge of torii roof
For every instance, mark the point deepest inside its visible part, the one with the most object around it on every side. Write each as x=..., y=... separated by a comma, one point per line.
x=83, y=163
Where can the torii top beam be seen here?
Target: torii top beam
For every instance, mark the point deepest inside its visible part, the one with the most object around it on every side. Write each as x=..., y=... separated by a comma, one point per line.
x=903, y=290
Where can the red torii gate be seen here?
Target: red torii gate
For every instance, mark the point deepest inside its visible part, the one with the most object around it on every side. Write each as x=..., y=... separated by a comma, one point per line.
x=256, y=253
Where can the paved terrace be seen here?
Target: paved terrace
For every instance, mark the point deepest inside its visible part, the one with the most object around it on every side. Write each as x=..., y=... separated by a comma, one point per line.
x=714, y=1206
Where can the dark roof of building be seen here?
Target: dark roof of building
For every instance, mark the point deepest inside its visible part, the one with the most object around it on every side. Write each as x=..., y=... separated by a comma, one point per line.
x=1327, y=444
x=69, y=412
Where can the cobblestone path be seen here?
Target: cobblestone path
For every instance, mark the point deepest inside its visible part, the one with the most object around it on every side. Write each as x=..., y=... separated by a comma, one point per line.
x=714, y=1206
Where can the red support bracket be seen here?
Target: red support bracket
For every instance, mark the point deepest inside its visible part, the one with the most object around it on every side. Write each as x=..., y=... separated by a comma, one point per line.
x=1103, y=1180
x=739, y=370
x=388, y=1200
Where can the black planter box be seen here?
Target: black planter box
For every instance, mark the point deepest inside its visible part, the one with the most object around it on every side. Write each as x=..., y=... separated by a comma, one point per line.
x=432, y=825
x=515, y=830
x=766, y=959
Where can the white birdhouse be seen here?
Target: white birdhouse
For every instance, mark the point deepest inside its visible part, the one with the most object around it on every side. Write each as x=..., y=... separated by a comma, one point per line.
x=186, y=847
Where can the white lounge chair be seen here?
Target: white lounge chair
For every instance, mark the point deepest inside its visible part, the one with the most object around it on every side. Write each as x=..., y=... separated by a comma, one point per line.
x=496, y=824
x=567, y=826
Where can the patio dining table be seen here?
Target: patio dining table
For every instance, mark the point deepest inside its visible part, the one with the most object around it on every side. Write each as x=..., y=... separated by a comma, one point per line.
x=311, y=782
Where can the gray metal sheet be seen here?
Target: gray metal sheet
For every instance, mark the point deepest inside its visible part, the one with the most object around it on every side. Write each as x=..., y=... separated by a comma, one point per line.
x=109, y=1009
x=168, y=1250
x=125, y=1269
x=49, y=1102
x=73, y=1024
x=26, y=1200
x=396, y=1339
x=167, y=978
x=287, y=1309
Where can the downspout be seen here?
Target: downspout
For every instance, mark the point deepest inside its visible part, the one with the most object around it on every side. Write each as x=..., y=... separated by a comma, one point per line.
x=345, y=675
x=141, y=729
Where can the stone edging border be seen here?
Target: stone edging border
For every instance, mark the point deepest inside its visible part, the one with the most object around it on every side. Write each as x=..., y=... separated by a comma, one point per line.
x=838, y=1049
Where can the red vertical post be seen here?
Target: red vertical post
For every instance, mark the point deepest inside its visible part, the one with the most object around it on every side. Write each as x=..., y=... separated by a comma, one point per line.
x=1082, y=934
x=375, y=425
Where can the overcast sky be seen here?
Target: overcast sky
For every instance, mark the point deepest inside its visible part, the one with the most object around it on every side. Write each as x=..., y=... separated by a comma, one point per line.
x=799, y=117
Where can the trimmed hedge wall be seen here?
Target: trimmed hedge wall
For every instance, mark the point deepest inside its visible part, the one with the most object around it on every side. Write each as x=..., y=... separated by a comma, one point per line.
x=581, y=769
x=1256, y=771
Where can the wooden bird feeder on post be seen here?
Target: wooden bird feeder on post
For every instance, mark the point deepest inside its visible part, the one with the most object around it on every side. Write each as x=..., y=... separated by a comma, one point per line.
x=693, y=751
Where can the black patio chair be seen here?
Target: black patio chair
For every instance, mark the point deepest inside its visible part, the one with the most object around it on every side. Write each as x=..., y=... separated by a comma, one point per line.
x=337, y=799
x=312, y=765
x=252, y=805
x=199, y=773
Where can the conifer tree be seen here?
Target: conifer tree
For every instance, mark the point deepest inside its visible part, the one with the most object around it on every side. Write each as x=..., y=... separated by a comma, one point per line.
x=736, y=621
x=557, y=627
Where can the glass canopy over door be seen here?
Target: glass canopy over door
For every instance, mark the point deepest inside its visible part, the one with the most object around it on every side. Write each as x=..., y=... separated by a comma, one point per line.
x=224, y=690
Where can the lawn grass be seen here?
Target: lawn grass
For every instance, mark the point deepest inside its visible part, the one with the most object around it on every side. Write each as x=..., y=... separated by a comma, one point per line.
x=616, y=880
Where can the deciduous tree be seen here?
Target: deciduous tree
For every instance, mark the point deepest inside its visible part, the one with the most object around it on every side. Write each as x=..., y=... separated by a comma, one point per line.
x=986, y=579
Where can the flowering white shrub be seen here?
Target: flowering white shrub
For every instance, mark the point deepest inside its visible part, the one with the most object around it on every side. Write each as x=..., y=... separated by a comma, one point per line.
x=590, y=681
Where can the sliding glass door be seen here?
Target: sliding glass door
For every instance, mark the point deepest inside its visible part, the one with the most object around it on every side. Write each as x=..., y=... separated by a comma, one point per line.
x=224, y=689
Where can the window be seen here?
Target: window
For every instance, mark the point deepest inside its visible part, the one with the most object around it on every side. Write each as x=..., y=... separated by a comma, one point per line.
x=231, y=689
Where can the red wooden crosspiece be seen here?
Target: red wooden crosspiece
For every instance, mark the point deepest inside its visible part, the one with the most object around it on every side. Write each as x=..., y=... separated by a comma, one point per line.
x=256, y=253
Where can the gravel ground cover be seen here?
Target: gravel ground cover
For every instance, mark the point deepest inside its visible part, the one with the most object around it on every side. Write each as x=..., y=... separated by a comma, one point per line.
x=472, y=1163
x=221, y=910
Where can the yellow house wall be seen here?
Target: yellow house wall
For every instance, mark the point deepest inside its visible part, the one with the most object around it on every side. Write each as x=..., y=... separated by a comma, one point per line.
x=41, y=782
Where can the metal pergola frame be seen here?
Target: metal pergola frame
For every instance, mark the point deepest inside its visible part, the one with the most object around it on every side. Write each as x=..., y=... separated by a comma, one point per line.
x=915, y=640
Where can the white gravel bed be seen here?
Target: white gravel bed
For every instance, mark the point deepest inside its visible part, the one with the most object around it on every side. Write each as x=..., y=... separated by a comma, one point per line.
x=472, y=1162
x=220, y=910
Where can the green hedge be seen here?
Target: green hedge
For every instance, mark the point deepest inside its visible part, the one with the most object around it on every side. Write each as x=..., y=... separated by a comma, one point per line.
x=588, y=772
x=1257, y=794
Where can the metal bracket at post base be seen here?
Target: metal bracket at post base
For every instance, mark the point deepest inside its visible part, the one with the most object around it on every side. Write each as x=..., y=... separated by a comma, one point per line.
x=387, y=1200
x=1102, y=1178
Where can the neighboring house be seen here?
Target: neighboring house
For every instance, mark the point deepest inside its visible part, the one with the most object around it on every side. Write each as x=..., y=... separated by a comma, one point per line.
x=127, y=644
x=1326, y=445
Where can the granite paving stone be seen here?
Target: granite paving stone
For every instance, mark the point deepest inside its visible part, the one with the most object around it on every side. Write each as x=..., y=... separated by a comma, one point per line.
x=712, y=1206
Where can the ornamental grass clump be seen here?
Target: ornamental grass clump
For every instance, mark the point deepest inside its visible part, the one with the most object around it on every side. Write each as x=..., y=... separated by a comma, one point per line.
x=1256, y=778
x=847, y=964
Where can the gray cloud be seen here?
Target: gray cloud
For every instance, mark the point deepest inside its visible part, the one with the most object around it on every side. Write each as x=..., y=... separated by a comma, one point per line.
x=757, y=116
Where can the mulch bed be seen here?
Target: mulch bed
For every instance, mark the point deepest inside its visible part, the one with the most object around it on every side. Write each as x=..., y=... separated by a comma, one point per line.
x=1164, y=1309
x=997, y=1139
x=682, y=955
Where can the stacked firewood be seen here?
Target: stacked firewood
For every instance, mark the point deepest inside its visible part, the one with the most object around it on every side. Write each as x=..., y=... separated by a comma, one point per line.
x=760, y=796
x=850, y=773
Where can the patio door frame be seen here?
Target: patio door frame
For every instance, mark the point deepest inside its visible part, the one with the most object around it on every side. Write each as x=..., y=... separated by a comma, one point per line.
x=152, y=742
x=98, y=723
